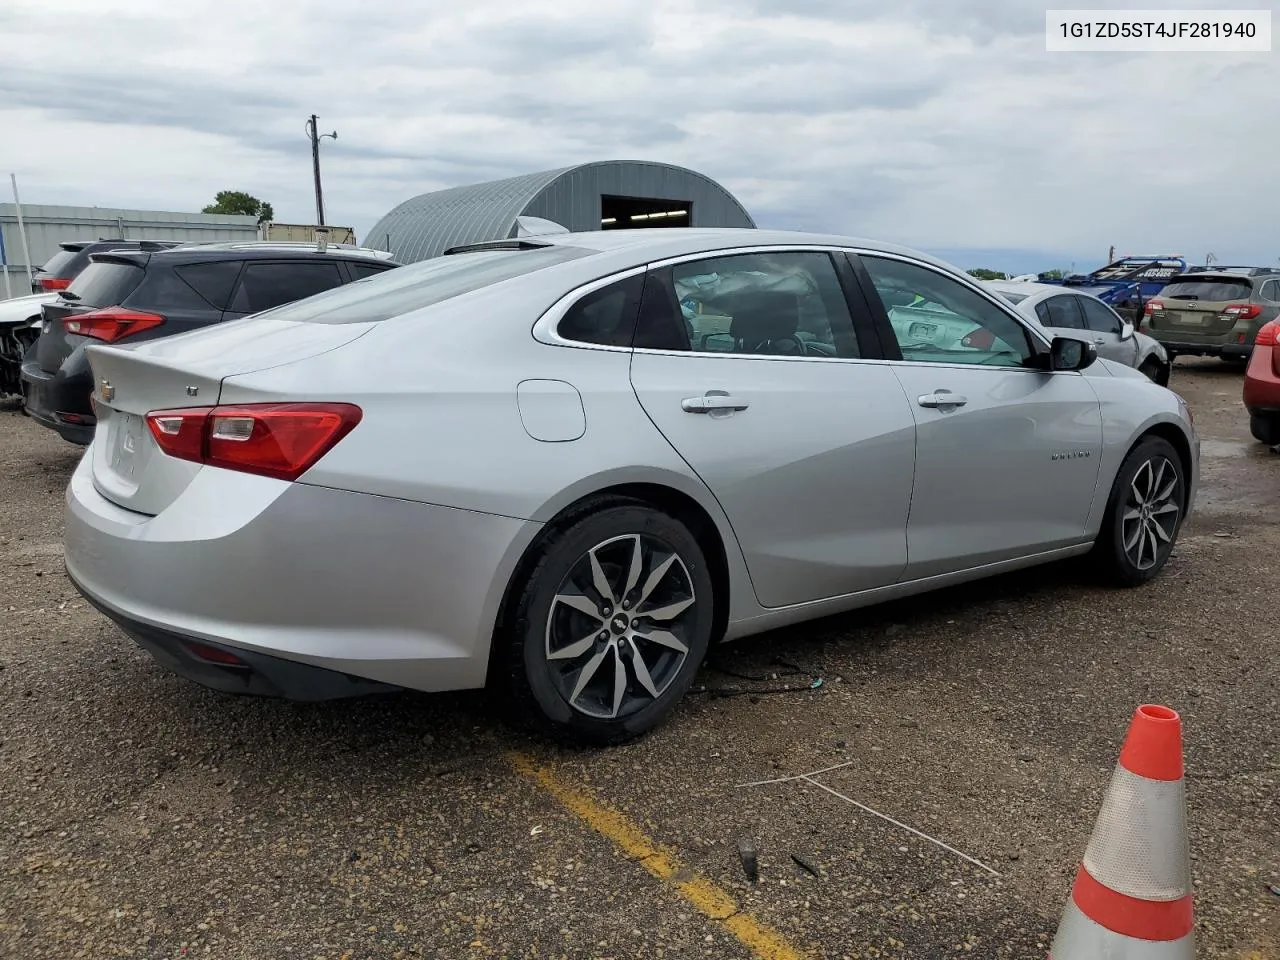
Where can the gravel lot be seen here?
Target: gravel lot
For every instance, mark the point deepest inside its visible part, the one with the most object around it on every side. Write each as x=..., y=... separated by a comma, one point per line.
x=141, y=816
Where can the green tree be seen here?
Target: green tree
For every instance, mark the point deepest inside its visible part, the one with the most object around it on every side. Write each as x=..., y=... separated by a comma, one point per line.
x=1052, y=274
x=239, y=202
x=982, y=273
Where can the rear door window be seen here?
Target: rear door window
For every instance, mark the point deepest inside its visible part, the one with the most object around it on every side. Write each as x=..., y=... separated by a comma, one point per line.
x=105, y=284
x=1061, y=312
x=213, y=281
x=1098, y=317
x=268, y=284
x=1214, y=289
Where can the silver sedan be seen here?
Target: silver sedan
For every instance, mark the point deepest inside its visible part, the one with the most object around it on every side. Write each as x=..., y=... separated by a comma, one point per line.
x=1073, y=313
x=565, y=465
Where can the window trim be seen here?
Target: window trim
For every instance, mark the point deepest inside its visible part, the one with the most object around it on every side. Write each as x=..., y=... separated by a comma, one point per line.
x=867, y=315
x=1038, y=338
x=545, y=330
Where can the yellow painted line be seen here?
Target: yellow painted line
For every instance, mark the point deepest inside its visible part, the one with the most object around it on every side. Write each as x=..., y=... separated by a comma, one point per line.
x=714, y=903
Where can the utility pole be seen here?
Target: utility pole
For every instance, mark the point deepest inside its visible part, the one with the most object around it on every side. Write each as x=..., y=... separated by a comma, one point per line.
x=22, y=230
x=315, y=138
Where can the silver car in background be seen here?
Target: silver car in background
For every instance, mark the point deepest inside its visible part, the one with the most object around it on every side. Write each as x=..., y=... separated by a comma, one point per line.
x=1066, y=312
x=565, y=465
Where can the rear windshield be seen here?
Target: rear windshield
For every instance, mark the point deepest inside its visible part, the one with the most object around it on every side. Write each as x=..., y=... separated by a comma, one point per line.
x=105, y=284
x=417, y=285
x=1208, y=288
x=59, y=262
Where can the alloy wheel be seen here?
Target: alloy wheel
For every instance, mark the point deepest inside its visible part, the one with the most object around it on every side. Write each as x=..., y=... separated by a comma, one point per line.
x=1151, y=511
x=617, y=632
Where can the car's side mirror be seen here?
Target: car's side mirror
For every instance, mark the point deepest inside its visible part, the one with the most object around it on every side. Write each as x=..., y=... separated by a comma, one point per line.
x=1126, y=331
x=1067, y=353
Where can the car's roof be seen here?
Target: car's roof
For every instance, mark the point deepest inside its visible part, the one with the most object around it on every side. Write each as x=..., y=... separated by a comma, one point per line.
x=197, y=252
x=1214, y=275
x=1032, y=289
x=275, y=248
x=656, y=243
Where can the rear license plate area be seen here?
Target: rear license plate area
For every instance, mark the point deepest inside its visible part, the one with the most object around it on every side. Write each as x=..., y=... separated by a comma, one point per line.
x=126, y=440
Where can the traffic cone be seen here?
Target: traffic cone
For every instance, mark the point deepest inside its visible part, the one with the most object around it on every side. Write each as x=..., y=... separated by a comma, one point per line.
x=1132, y=895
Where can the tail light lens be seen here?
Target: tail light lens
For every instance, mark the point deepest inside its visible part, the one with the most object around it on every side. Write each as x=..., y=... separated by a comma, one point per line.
x=1242, y=311
x=111, y=324
x=55, y=283
x=281, y=440
x=1268, y=335
x=1153, y=306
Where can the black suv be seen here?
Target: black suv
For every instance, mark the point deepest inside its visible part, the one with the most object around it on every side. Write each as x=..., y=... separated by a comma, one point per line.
x=130, y=296
x=65, y=265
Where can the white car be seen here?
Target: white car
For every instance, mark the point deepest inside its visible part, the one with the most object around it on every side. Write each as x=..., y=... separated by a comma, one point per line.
x=1065, y=312
x=20, y=319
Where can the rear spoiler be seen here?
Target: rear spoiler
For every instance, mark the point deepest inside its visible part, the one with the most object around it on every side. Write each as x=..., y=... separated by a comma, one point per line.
x=131, y=258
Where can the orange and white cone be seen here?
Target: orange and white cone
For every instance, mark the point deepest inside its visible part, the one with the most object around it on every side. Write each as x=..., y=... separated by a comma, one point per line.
x=1132, y=895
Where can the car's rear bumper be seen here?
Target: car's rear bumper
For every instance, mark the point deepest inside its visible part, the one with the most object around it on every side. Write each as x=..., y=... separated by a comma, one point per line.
x=59, y=401
x=253, y=674
x=385, y=590
x=1261, y=392
x=1191, y=348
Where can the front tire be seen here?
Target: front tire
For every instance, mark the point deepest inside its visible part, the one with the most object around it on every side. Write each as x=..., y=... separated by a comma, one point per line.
x=1144, y=514
x=1155, y=371
x=1265, y=429
x=609, y=626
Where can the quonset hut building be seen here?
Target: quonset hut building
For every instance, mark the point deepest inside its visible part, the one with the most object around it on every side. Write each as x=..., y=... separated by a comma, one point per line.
x=608, y=195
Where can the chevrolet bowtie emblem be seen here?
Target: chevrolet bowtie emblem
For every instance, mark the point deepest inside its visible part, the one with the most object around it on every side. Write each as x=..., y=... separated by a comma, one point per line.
x=108, y=391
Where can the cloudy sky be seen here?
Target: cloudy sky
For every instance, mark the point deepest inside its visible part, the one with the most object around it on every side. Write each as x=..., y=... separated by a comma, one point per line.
x=943, y=124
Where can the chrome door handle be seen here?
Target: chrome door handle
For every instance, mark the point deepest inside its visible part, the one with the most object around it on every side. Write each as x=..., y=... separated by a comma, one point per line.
x=713, y=401
x=942, y=398
x=1100, y=340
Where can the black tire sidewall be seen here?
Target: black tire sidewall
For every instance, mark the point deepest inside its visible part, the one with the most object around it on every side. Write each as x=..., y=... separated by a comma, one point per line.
x=531, y=675
x=1265, y=429
x=1121, y=566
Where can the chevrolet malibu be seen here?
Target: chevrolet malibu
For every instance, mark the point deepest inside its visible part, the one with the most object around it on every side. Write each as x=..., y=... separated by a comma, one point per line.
x=564, y=465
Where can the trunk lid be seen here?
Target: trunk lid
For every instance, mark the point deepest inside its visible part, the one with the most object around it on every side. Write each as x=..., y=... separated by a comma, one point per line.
x=186, y=370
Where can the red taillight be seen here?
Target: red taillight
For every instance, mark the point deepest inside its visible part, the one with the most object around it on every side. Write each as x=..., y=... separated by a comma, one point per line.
x=214, y=655
x=281, y=440
x=55, y=283
x=1153, y=306
x=1242, y=311
x=111, y=324
x=1268, y=335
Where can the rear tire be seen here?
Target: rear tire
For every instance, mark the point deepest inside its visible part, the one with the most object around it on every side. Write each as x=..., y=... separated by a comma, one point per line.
x=1265, y=429
x=1144, y=514
x=583, y=658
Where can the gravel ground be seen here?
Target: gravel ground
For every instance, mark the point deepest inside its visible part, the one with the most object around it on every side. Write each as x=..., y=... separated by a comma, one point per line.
x=141, y=816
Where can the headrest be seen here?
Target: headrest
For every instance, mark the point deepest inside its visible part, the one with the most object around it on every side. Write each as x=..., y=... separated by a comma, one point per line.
x=764, y=315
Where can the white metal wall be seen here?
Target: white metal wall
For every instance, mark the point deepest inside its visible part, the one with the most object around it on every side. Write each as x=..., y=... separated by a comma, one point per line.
x=48, y=225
